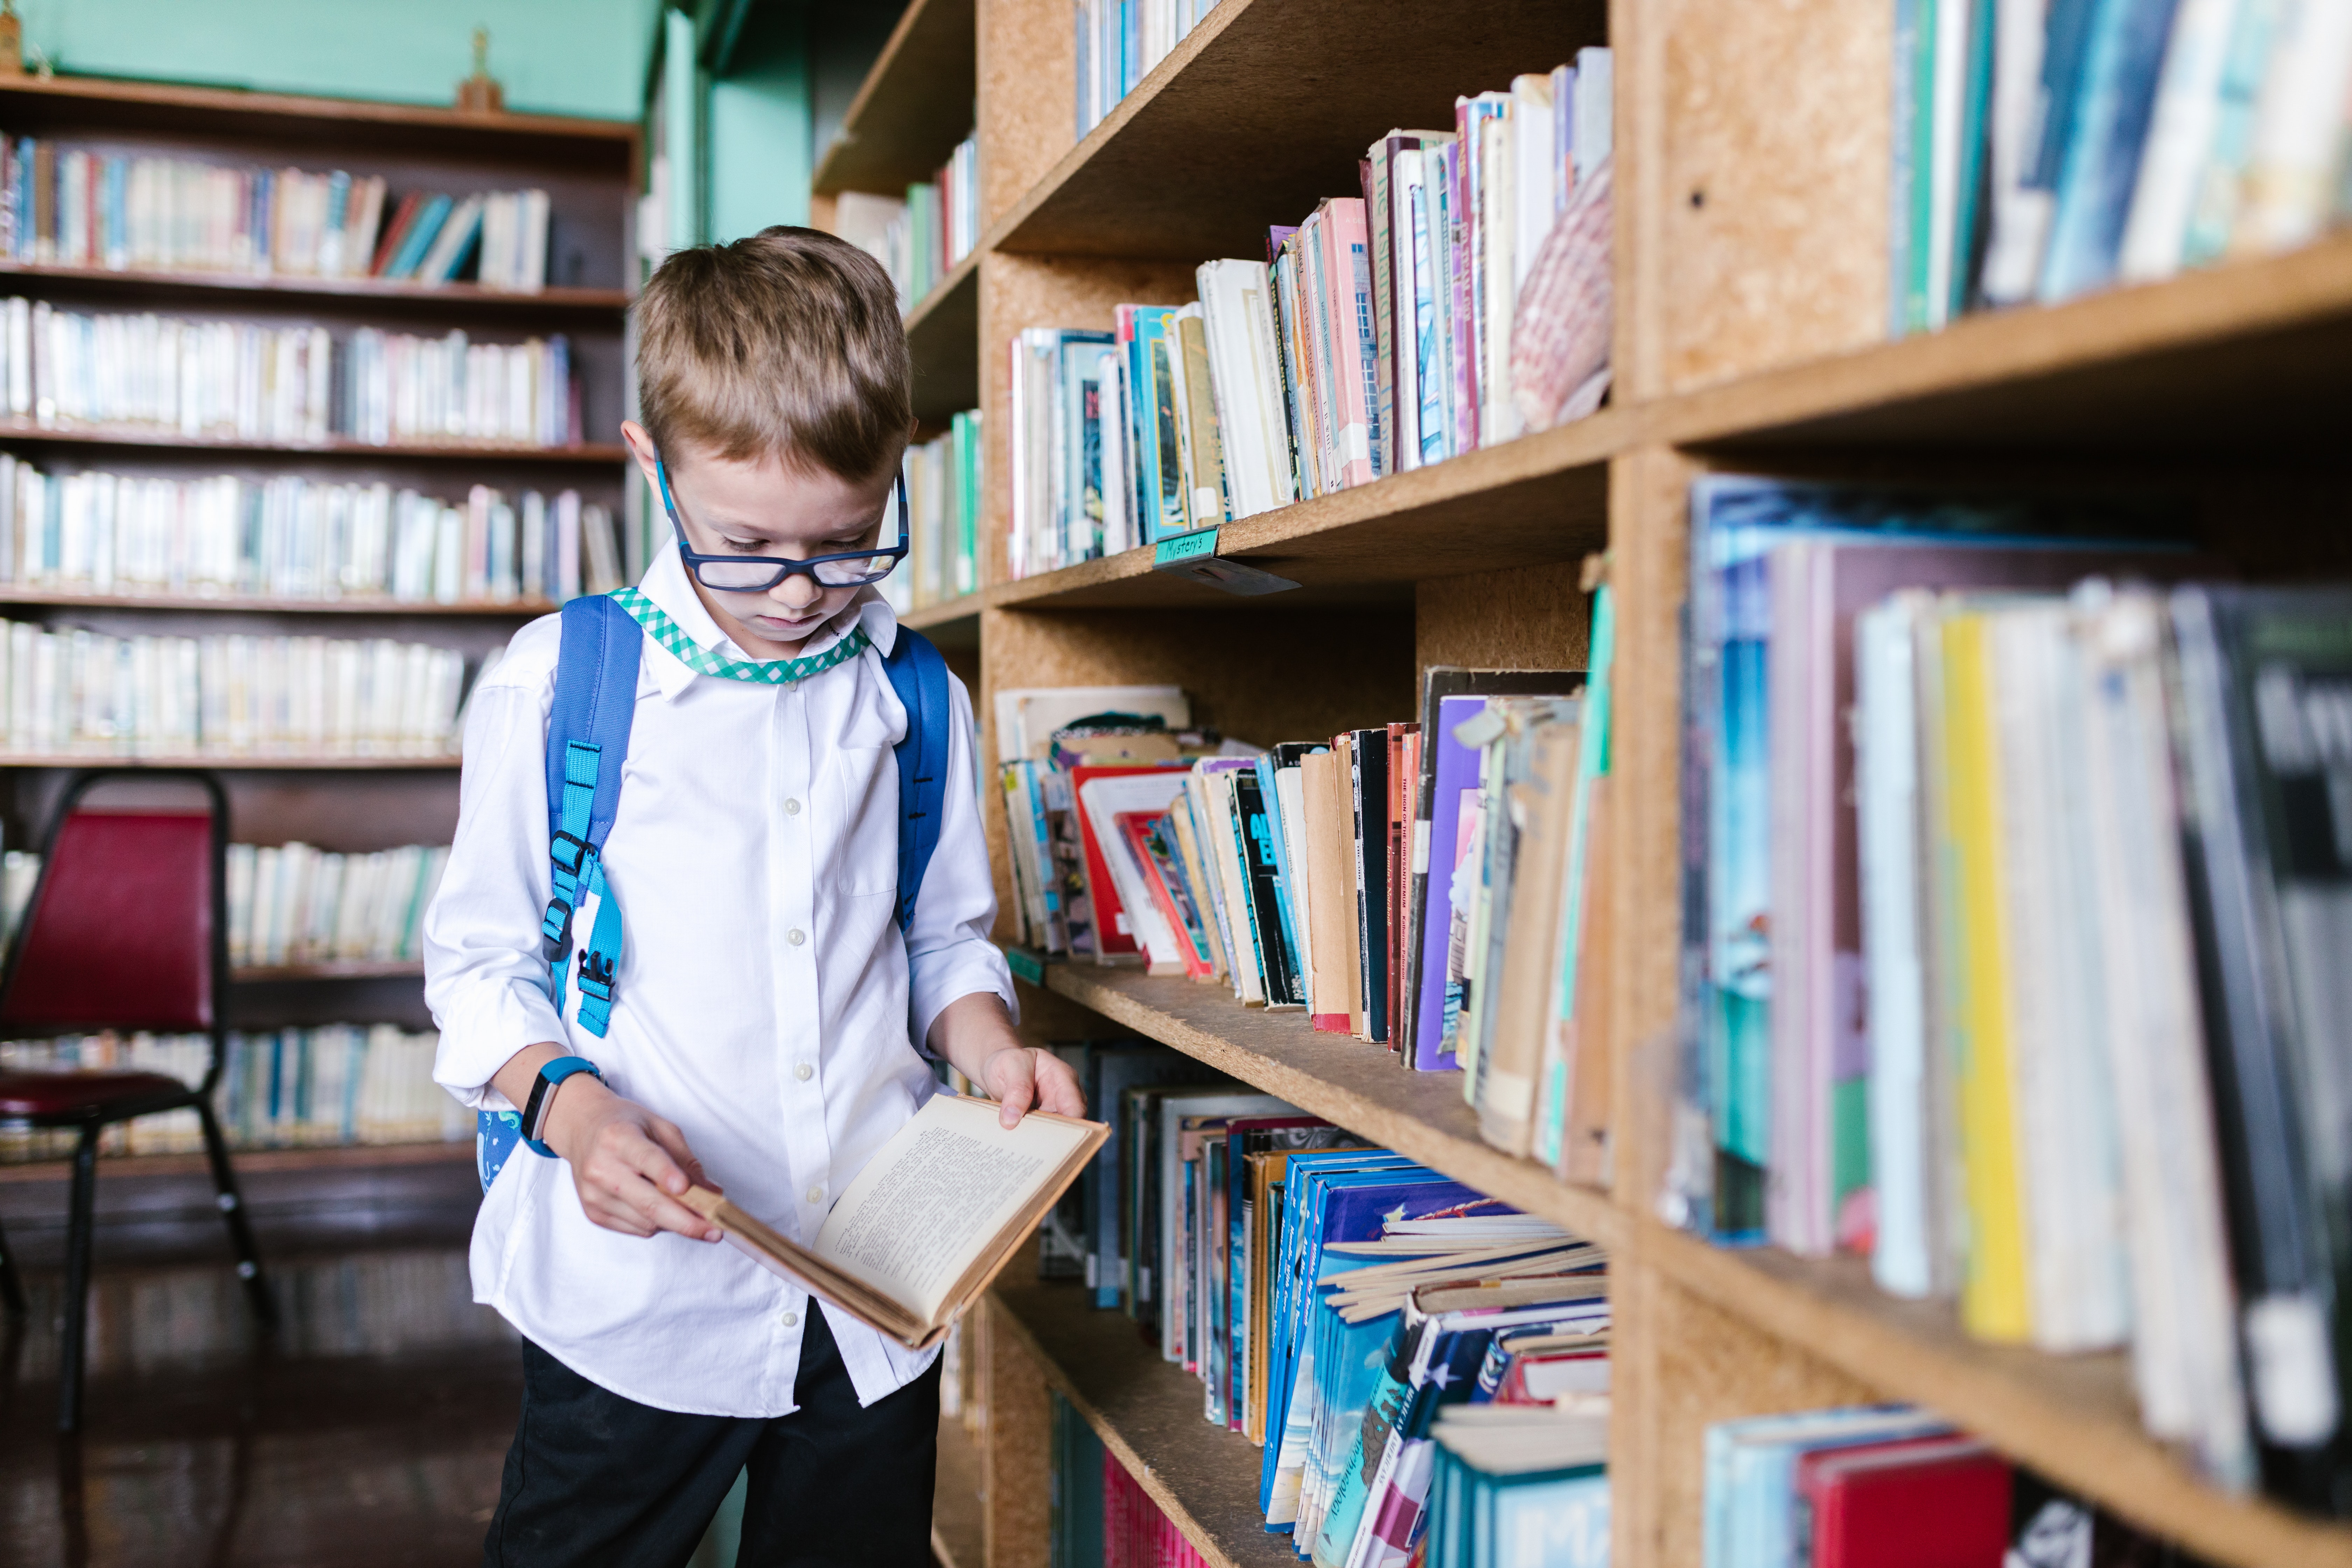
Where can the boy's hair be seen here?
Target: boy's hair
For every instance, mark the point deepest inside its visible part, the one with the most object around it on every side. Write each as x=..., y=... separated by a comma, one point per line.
x=786, y=344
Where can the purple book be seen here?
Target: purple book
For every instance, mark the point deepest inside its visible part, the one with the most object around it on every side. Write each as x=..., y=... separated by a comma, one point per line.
x=1275, y=235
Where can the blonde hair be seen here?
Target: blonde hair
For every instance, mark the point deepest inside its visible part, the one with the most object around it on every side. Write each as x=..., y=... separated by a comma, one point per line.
x=786, y=344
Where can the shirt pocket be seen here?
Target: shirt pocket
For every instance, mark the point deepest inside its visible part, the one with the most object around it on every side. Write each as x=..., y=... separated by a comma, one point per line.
x=857, y=820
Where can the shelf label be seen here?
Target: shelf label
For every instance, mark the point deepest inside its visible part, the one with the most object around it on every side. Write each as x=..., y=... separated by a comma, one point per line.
x=1183, y=549
x=1194, y=555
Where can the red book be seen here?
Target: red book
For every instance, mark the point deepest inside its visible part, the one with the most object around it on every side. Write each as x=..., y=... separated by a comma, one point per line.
x=1113, y=934
x=394, y=233
x=1926, y=1503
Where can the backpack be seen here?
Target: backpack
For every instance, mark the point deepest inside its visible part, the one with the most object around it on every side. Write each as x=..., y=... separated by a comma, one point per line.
x=588, y=739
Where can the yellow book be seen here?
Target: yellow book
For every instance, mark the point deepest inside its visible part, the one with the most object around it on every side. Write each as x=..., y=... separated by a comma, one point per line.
x=1994, y=1300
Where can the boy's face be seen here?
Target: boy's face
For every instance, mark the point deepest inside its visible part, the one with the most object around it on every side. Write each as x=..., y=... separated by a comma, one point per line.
x=765, y=507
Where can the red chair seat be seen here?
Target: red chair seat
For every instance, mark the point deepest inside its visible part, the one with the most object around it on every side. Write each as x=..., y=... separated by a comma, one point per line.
x=77, y=1094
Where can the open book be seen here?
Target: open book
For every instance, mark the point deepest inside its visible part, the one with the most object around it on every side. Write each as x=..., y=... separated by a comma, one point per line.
x=930, y=1219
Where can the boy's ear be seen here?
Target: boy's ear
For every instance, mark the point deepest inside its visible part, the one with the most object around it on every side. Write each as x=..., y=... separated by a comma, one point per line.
x=641, y=447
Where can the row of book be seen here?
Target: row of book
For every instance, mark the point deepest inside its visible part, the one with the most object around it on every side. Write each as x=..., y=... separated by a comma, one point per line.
x=227, y=695
x=296, y=539
x=2029, y=982
x=294, y=904
x=1118, y=42
x=919, y=238
x=1098, y=1514
x=2041, y=152
x=1333, y=1300
x=296, y=384
x=1484, y=312
x=943, y=498
x=332, y=1084
x=1864, y=1485
x=77, y=206
x=1423, y=886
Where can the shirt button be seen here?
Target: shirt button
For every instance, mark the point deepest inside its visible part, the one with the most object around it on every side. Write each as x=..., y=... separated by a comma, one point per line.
x=791, y=1319
x=816, y=1195
x=805, y=1072
x=797, y=936
x=792, y=809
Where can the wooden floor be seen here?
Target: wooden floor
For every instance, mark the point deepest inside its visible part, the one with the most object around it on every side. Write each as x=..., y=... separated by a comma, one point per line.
x=370, y=1429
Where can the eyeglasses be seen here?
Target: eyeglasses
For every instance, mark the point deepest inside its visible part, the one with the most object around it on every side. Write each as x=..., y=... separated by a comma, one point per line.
x=758, y=573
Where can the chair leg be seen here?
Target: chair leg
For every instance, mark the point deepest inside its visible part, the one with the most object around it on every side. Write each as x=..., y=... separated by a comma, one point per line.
x=240, y=1229
x=71, y=1349
x=12, y=1284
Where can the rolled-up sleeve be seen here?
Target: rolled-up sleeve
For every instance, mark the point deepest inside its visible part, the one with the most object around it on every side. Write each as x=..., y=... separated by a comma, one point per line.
x=485, y=979
x=948, y=953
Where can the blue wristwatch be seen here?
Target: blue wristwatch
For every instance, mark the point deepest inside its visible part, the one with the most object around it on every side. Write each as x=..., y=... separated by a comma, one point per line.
x=550, y=1075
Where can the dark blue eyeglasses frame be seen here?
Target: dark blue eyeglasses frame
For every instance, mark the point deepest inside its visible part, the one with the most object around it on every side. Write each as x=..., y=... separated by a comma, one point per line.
x=784, y=568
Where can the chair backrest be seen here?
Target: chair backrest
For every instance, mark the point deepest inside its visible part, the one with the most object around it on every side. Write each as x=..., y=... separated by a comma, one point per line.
x=124, y=930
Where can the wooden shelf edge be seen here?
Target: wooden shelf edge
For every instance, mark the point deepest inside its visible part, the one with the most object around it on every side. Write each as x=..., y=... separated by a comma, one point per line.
x=331, y=1157
x=11, y=595
x=1183, y=1493
x=959, y=276
x=931, y=617
x=293, y=286
x=957, y=1526
x=499, y=451
x=2073, y=1419
x=125, y=91
x=1124, y=998
x=234, y=764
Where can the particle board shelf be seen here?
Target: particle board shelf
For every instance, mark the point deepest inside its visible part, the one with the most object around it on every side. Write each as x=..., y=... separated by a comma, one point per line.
x=2073, y=1419
x=2251, y=355
x=1542, y=497
x=1148, y=1413
x=956, y=1520
x=26, y=432
x=11, y=594
x=947, y=616
x=1271, y=102
x=943, y=341
x=337, y=1157
x=913, y=108
x=373, y=293
x=339, y=969
x=46, y=103
x=1344, y=1080
x=239, y=762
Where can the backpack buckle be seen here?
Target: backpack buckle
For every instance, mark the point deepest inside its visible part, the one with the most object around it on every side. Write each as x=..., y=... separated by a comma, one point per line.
x=555, y=930
x=580, y=851
x=595, y=974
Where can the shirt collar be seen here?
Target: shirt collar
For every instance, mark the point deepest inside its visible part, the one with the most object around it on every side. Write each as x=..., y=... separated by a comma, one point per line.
x=665, y=583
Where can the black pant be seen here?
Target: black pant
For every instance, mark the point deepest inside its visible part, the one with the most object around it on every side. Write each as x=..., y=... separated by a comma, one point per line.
x=594, y=1478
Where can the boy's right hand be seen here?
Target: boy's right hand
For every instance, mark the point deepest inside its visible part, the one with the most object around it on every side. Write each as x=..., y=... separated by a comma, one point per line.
x=629, y=1165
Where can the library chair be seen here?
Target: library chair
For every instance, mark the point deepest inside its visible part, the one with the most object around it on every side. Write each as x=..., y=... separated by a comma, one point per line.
x=127, y=929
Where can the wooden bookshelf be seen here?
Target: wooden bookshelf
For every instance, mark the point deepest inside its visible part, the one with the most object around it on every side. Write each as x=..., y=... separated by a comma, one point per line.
x=943, y=341
x=11, y=594
x=912, y=108
x=1751, y=169
x=24, y=432
x=956, y=1513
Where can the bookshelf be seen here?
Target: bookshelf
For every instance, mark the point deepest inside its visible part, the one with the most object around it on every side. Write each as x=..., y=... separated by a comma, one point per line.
x=1752, y=156
x=591, y=171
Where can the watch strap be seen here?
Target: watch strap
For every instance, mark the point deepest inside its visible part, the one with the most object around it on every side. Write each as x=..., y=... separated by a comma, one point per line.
x=550, y=1075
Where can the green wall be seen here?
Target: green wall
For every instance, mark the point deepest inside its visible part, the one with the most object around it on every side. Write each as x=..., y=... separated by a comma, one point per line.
x=554, y=57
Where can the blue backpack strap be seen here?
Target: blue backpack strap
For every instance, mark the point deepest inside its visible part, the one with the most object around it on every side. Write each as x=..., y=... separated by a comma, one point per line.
x=919, y=676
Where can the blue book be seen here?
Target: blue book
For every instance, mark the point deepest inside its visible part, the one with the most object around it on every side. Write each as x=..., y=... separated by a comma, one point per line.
x=2123, y=57
x=421, y=234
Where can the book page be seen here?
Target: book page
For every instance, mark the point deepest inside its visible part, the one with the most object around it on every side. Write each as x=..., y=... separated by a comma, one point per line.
x=939, y=1195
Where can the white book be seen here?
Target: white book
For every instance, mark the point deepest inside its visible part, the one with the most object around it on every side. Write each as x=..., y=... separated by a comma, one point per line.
x=2180, y=128
x=1952, y=21
x=1104, y=800
x=1595, y=126
x=567, y=546
x=464, y=223
x=1536, y=156
x=449, y=556
x=2021, y=212
x=601, y=551
x=2299, y=130
x=532, y=267
x=533, y=567
x=238, y=894
x=1026, y=717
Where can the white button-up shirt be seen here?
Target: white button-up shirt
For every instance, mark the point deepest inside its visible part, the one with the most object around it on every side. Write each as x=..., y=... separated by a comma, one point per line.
x=765, y=1000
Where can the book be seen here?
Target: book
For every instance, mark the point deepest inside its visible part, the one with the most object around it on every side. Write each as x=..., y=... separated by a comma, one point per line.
x=883, y=1254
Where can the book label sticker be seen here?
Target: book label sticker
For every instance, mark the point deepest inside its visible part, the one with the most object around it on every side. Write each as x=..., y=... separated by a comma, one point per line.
x=1194, y=555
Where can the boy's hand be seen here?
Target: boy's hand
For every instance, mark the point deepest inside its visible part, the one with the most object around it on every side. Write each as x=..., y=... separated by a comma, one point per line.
x=1021, y=1076
x=629, y=1165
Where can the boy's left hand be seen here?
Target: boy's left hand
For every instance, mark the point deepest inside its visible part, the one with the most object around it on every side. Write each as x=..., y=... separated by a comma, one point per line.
x=975, y=1033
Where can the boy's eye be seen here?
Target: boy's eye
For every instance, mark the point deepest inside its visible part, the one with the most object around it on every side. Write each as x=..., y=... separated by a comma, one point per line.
x=744, y=546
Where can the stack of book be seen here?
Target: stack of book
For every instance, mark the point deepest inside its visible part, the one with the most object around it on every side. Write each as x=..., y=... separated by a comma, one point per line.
x=76, y=206
x=288, y=385
x=1484, y=312
x=2042, y=152
x=84, y=692
x=293, y=904
x=1306, y=1281
x=1889, y=1483
x=1119, y=41
x=943, y=491
x=2027, y=983
x=1424, y=886
x=294, y=539
x=919, y=238
x=332, y=1084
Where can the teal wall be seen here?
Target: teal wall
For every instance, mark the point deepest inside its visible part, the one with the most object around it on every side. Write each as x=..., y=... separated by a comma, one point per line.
x=553, y=56
x=760, y=143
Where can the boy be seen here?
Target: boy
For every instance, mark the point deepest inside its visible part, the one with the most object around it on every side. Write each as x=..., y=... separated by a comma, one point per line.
x=767, y=1009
